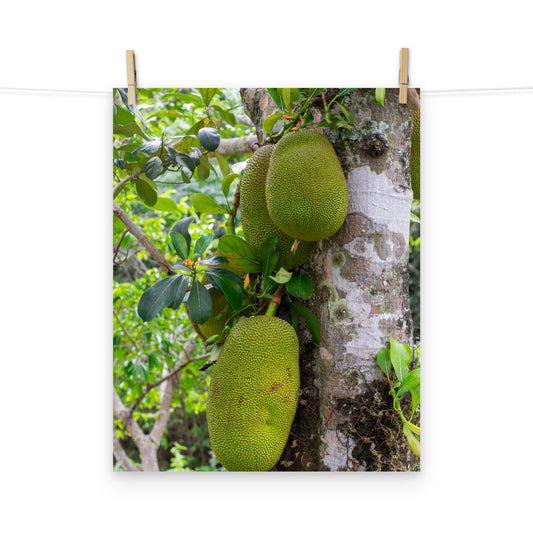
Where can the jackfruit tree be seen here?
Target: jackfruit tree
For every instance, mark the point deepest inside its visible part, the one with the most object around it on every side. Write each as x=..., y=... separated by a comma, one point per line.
x=312, y=226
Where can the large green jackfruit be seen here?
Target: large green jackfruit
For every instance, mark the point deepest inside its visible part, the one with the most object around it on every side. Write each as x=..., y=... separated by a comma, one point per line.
x=253, y=394
x=415, y=156
x=306, y=191
x=256, y=223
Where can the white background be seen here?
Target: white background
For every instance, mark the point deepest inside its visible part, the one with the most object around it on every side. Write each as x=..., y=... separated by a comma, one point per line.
x=55, y=300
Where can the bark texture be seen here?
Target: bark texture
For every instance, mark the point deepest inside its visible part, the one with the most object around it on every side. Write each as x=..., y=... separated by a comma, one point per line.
x=345, y=419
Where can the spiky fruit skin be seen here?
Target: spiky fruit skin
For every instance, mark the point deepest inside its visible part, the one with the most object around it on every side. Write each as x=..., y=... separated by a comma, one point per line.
x=415, y=157
x=253, y=394
x=220, y=312
x=306, y=191
x=256, y=223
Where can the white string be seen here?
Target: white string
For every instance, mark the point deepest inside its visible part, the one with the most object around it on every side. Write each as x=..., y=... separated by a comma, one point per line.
x=423, y=91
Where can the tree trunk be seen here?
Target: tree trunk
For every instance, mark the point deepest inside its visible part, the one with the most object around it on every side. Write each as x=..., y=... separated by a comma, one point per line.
x=345, y=419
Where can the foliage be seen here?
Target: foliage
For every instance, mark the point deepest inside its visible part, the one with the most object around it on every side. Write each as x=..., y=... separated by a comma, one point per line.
x=395, y=364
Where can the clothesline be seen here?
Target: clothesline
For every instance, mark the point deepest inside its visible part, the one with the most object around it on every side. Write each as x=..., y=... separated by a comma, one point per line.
x=424, y=92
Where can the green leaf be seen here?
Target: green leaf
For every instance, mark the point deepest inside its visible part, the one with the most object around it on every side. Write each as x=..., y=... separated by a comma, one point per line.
x=415, y=399
x=122, y=116
x=269, y=122
x=411, y=381
x=401, y=357
x=223, y=164
x=268, y=256
x=380, y=96
x=209, y=139
x=214, y=260
x=384, y=362
x=204, y=204
x=313, y=324
x=166, y=205
x=167, y=292
x=202, y=244
x=189, y=98
x=282, y=276
x=414, y=218
x=129, y=130
x=226, y=116
x=300, y=285
x=199, y=303
x=179, y=158
x=244, y=255
x=286, y=96
x=183, y=227
x=275, y=96
x=336, y=121
x=228, y=283
x=227, y=181
x=413, y=442
x=146, y=191
x=203, y=169
x=153, y=168
x=118, y=225
x=349, y=116
x=207, y=95
x=149, y=148
x=179, y=244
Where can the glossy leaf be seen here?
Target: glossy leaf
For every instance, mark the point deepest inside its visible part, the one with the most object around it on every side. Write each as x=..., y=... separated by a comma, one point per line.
x=204, y=204
x=166, y=205
x=179, y=244
x=286, y=97
x=380, y=96
x=209, y=139
x=227, y=181
x=411, y=381
x=165, y=293
x=276, y=97
x=214, y=260
x=153, y=168
x=313, y=324
x=199, y=303
x=270, y=121
x=384, y=362
x=223, y=164
x=207, y=95
x=268, y=256
x=183, y=227
x=149, y=147
x=145, y=191
x=242, y=253
x=300, y=285
x=180, y=158
x=202, y=244
x=401, y=357
x=282, y=276
x=228, y=283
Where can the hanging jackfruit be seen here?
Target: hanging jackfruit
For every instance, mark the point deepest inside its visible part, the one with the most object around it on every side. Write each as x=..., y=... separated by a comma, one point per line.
x=253, y=394
x=306, y=192
x=256, y=223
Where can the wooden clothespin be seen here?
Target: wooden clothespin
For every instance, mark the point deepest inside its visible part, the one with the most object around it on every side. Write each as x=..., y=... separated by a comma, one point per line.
x=404, y=74
x=132, y=76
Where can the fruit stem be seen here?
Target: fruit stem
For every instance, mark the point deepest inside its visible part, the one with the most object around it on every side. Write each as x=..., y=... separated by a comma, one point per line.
x=276, y=300
x=230, y=224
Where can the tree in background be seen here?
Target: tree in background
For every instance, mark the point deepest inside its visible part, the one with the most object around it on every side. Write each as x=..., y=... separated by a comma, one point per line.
x=355, y=326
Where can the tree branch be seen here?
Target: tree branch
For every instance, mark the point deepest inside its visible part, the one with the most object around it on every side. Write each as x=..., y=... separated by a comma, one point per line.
x=186, y=351
x=120, y=455
x=128, y=422
x=143, y=239
x=236, y=145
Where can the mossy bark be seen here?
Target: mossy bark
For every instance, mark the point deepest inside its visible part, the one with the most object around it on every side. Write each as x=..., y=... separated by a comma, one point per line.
x=345, y=419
